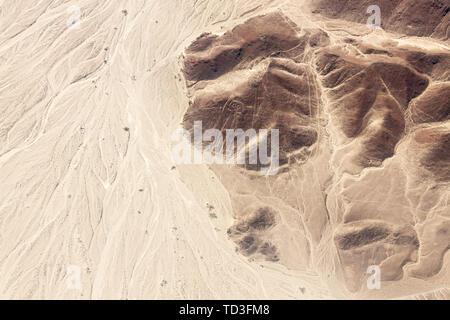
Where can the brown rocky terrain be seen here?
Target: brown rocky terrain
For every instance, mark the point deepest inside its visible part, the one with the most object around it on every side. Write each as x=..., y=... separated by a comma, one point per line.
x=356, y=111
x=411, y=17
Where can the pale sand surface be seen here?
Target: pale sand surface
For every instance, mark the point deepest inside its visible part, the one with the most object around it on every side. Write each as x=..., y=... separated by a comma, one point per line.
x=86, y=177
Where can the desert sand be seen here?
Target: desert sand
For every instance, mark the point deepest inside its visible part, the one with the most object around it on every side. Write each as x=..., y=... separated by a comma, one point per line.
x=88, y=181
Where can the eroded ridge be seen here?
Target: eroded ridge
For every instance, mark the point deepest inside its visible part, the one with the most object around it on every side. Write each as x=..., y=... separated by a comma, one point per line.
x=389, y=103
x=369, y=120
x=369, y=97
x=259, y=76
x=254, y=77
x=365, y=243
x=411, y=17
